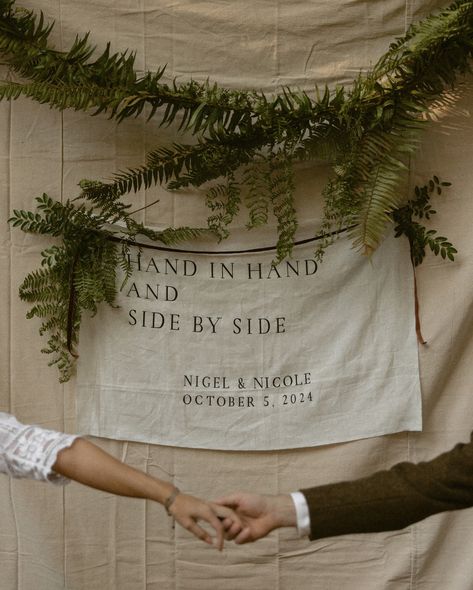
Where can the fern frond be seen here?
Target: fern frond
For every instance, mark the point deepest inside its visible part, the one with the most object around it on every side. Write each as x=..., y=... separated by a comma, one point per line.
x=381, y=196
x=282, y=189
x=224, y=200
x=162, y=165
x=257, y=198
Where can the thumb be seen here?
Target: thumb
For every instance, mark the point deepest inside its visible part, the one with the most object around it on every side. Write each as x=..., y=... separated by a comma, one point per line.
x=245, y=536
x=230, y=500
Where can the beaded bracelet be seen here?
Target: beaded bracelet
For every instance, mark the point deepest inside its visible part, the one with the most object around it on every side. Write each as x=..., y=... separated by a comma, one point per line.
x=170, y=499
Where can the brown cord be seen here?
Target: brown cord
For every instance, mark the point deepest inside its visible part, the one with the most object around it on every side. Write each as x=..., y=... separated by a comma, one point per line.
x=420, y=338
x=72, y=305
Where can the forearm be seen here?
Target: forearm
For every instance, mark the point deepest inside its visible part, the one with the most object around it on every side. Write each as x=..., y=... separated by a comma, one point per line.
x=393, y=499
x=88, y=464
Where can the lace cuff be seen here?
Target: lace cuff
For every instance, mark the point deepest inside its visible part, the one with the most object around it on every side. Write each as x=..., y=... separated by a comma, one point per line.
x=31, y=451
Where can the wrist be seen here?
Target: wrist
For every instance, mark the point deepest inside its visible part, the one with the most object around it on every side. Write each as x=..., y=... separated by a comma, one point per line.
x=160, y=491
x=284, y=511
x=169, y=501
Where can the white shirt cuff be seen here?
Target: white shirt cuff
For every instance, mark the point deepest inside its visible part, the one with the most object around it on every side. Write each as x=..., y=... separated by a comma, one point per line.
x=302, y=513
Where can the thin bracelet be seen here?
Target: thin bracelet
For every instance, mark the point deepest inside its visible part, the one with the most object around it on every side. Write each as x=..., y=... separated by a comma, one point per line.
x=170, y=499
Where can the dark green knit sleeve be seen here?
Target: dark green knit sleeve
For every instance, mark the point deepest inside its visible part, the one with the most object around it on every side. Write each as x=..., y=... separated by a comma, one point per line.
x=393, y=499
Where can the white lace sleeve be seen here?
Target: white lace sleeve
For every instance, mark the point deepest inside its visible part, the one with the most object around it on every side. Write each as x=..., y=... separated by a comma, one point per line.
x=30, y=451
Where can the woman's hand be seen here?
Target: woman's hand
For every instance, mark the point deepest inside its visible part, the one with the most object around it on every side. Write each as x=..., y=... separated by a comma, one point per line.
x=188, y=510
x=90, y=465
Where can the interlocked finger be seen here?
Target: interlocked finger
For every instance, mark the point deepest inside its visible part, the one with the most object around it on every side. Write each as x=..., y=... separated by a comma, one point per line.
x=231, y=529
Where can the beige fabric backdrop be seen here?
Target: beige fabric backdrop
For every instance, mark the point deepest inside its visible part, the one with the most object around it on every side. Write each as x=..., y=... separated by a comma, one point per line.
x=84, y=540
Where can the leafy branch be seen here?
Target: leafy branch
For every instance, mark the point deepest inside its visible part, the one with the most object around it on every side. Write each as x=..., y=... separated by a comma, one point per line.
x=79, y=274
x=418, y=235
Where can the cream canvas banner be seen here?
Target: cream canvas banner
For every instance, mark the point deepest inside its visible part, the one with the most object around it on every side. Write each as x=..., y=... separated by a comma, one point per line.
x=225, y=351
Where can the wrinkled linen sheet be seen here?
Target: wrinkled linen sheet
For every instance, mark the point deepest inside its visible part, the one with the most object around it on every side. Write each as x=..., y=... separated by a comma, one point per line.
x=84, y=540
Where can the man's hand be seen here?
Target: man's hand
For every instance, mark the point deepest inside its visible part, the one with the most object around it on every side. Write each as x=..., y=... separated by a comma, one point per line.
x=259, y=514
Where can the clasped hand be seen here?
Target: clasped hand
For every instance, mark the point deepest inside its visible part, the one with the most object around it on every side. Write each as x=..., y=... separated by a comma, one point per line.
x=241, y=517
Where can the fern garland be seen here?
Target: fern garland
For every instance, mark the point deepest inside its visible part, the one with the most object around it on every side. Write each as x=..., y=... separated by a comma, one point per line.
x=246, y=150
x=366, y=131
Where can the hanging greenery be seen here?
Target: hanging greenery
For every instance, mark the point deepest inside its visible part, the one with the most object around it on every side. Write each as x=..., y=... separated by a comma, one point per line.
x=366, y=132
x=418, y=235
x=80, y=273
